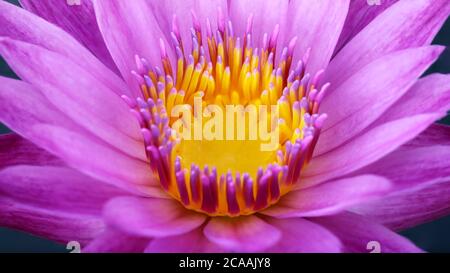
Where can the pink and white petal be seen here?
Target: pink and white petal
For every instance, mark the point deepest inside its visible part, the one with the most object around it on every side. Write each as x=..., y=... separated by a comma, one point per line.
x=360, y=14
x=242, y=234
x=15, y=150
x=430, y=94
x=266, y=15
x=303, y=236
x=356, y=233
x=97, y=159
x=22, y=25
x=305, y=19
x=365, y=149
x=151, y=217
x=164, y=12
x=404, y=25
x=51, y=187
x=421, y=204
x=82, y=97
x=363, y=98
x=114, y=241
x=191, y=242
x=331, y=197
x=52, y=224
x=129, y=30
x=77, y=20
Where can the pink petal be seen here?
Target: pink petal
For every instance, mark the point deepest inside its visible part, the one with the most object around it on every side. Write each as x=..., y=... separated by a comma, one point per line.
x=242, y=234
x=360, y=14
x=50, y=201
x=192, y=242
x=77, y=94
x=436, y=134
x=301, y=235
x=22, y=25
x=60, y=188
x=404, y=25
x=150, y=217
x=305, y=19
x=420, y=172
x=408, y=167
x=365, y=149
x=410, y=208
x=429, y=95
x=129, y=30
x=330, y=198
x=360, y=100
x=23, y=106
x=15, y=150
x=266, y=15
x=79, y=21
x=33, y=117
x=49, y=223
x=114, y=241
x=356, y=233
x=97, y=160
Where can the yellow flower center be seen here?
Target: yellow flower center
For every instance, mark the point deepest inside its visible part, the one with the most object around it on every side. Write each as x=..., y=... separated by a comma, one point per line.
x=228, y=127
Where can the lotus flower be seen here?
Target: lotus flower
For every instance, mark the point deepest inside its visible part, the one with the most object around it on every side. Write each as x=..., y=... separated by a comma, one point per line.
x=95, y=157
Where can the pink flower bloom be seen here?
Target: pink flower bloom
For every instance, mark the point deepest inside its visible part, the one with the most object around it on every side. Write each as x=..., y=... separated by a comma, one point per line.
x=95, y=158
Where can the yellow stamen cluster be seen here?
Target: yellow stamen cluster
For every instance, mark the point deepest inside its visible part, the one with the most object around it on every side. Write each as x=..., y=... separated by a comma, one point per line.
x=241, y=179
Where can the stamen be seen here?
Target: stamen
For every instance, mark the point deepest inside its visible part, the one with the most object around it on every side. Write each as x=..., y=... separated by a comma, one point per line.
x=224, y=69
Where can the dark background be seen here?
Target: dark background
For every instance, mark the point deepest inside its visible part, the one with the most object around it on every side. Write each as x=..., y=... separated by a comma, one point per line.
x=432, y=237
